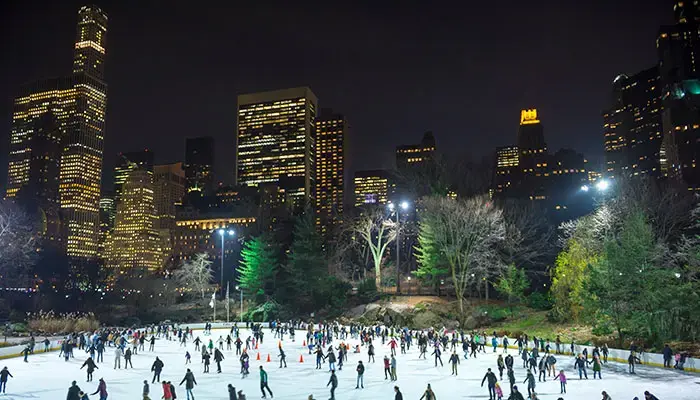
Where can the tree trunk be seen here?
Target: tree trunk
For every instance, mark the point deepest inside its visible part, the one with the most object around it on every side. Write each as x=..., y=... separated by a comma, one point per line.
x=486, y=289
x=377, y=278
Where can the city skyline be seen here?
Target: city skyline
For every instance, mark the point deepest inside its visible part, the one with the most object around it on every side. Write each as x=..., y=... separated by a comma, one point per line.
x=552, y=68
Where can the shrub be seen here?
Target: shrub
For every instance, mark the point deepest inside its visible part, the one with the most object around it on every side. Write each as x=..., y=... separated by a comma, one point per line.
x=50, y=323
x=367, y=290
x=540, y=301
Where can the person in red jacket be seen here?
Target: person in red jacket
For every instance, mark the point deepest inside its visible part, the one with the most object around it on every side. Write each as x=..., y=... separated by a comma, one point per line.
x=167, y=394
x=392, y=345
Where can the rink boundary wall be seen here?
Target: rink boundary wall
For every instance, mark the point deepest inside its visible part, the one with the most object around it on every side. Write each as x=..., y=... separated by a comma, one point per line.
x=16, y=351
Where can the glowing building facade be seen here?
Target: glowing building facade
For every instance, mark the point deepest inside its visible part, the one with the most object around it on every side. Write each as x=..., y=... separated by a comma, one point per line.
x=276, y=141
x=416, y=155
x=126, y=162
x=78, y=105
x=372, y=187
x=506, y=171
x=331, y=134
x=199, y=164
x=533, y=156
x=169, y=190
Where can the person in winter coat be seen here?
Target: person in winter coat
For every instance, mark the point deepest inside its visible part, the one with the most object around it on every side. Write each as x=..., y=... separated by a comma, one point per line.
x=189, y=382
x=331, y=359
x=73, y=392
x=127, y=359
x=232, y=392
x=428, y=394
x=101, y=389
x=454, y=360
x=580, y=364
x=4, y=374
x=437, y=353
x=167, y=394
x=393, y=368
x=499, y=392
x=333, y=381
x=156, y=368
x=370, y=353
x=117, y=358
x=360, y=375
x=649, y=396
x=398, y=395
x=263, y=383
x=206, y=358
x=146, y=390
x=597, y=366
x=562, y=381
x=491, y=378
x=90, y=368
x=515, y=394
x=530, y=379
x=172, y=390
x=631, y=360
x=543, y=370
x=387, y=371
x=606, y=396
x=218, y=357
x=511, y=378
x=501, y=365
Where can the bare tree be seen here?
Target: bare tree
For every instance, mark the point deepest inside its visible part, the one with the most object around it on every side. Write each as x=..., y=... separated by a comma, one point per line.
x=17, y=242
x=529, y=236
x=376, y=233
x=196, y=274
x=467, y=234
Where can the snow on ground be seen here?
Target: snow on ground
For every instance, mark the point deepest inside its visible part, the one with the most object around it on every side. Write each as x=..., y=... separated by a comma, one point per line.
x=47, y=377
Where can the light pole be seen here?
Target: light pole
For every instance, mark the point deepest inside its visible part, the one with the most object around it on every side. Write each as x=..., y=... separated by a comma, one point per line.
x=222, y=233
x=403, y=206
x=240, y=289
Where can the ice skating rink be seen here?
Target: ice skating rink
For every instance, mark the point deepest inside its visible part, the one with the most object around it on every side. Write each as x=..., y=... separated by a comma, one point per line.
x=47, y=377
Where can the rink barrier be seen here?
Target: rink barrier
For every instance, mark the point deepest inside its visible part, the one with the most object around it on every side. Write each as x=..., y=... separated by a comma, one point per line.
x=16, y=351
x=617, y=355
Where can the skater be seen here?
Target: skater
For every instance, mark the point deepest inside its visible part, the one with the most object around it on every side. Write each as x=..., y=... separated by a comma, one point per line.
x=117, y=358
x=542, y=377
x=152, y=344
x=333, y=381
x=398, y=395
x=370, y=353
x=515, y=394
x=238, y=347
x=580, y=364
x=454, y=360
x=491, y=377
x=90, y=368
x=360, y=375
x=499, y=392
x=562, y=381
x=4, y=374
x=156, y=368
x=631, y=360
x=331, y=359
x=530, y=379
x=218, y=357
x=197, y=341
x=232, y=392
x=649, y=396
x=511, y=378
x=597, y=367
x=101, y=389
x=189, y=382
x=393, y=368
x=428, y=394
x=283, y=358
x=606, y=396
x=146, y=390
x=263, y=383
x=387, y=371
x=188, y=358
x=207, y=361
x=605, y=351
x=437, y=353
x=501, y=365
x=73, y=392
x=167, y=393
x=127, y=359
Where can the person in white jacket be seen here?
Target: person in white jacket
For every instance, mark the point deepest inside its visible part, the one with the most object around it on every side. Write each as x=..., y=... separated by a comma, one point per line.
x=117, y=358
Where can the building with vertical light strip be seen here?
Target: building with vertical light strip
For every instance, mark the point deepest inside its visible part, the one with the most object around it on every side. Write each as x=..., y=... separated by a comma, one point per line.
x=78, y=103
x=127, y=162
x=331, y=134
x=506, y=172
x=533, y=158
x=276, y=141
x=372, y=187
x=169, y=190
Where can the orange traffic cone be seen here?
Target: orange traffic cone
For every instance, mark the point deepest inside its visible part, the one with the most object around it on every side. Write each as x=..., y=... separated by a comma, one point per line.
x=256, y=346
x=268, y=357
x=301, y=358
x=258, y=357
x=304, y=343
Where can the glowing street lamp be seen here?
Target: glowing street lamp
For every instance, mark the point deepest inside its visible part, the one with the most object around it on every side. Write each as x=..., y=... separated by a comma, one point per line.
x=223, y=233
x=602, y=185
x=404, y=205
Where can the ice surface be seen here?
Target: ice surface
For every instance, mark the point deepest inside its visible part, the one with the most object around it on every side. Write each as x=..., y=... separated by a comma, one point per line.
x=47, y=377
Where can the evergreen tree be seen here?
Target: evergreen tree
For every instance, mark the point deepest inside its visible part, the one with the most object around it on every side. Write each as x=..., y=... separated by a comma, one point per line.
x=307, y=268
x=259, y=265
x=432, y=266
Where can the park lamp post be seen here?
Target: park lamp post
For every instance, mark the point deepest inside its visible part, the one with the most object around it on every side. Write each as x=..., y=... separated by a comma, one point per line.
x=402, y=206
x=240, y=289
x=223, y=233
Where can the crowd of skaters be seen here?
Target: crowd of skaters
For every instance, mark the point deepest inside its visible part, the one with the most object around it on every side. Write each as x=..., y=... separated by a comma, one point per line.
x=538, y=355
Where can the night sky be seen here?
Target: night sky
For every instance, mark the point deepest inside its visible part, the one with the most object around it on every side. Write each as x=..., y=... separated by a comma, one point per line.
x=394, y=70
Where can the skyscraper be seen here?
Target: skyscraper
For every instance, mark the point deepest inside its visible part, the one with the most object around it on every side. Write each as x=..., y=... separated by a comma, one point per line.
x=331, y=134
x=506, y=172
x=276, y=141
x=372, y=187
x=678, y=47
x=533, y=155
x=632, y=125
x=78, y=104
x=199, y=164
x=169, y=189
x=127, y=162
x=135, y=244
x=416, y=155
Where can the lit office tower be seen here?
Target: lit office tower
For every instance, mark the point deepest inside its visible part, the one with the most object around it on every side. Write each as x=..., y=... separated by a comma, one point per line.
x=533, y=155
x=135, y=245
x=506, y=171
x=127, y=162
x=108, y=212
x=276, y=141
x=169, y=189
x=632, y=125
x=372, y=187
x=331, y=134
x=78, y=104
x=678, y=48
x=199, y=164
x=415, y=155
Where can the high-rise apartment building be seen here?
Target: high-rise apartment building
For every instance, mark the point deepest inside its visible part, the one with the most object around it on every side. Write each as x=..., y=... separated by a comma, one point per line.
x=169, y=190
x=533, y=155
x=108, y=213
x=372, y=187
x=678, y=48
x=632, y=126
x=415, y=155
x=506, y=173
x=126, y=162
x=276, y=141
x=135, y=244
x=199, y=164
x=78, y=104
x=331, y=139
